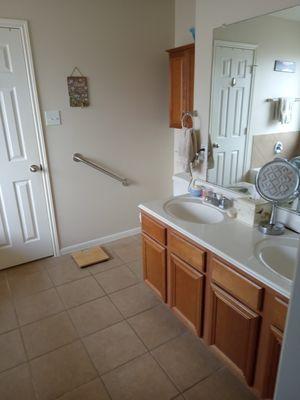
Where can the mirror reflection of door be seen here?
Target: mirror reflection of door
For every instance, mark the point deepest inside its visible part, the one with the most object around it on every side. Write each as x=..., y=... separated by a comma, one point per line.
x=231, y=94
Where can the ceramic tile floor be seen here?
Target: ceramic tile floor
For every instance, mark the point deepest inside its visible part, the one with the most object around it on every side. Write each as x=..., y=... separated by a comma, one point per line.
x=99, y=333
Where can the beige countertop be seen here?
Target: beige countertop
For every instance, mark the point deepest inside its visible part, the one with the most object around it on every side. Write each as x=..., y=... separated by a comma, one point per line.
x=231, y=240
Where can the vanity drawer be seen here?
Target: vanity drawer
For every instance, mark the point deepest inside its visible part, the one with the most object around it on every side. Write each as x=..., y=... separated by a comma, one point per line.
x=239, y=286
x=154, y=229
x=279, y=313
x=187, y=251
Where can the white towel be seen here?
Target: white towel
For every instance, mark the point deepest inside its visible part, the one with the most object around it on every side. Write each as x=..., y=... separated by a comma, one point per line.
x=189, y=148
x=285, y=109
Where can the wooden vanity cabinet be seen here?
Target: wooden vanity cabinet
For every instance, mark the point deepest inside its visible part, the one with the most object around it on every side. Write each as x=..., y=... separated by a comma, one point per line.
x=186, y=280
x=154, y=255
x=235, y=331
x=232, y=315
x=236, y=314
x=270, y=344
x=186, y=289
x=181, y=70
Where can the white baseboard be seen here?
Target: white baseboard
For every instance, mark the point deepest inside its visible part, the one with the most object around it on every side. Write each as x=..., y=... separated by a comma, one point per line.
x=102, y=240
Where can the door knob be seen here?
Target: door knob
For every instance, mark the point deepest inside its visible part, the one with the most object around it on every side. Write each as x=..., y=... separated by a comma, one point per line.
x=35, y=168
x=215, y=145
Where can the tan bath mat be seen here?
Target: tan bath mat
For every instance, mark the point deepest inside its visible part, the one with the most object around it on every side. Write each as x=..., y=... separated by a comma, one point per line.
x=91, y=256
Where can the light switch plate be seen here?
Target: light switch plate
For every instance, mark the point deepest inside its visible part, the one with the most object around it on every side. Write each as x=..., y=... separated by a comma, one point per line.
x=52, y=118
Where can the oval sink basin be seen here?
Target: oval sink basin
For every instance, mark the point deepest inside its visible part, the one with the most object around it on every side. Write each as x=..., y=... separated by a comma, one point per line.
x=193, y=210
x=279, y=254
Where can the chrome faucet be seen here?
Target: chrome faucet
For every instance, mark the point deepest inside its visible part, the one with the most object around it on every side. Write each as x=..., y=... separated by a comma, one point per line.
x=218, y=200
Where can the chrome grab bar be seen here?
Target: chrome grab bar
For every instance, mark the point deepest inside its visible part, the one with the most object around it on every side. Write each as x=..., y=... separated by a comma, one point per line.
x=79, y=158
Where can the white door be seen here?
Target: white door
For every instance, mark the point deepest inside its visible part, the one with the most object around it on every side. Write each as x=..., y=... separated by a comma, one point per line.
x=24, y=224
x=231, y=91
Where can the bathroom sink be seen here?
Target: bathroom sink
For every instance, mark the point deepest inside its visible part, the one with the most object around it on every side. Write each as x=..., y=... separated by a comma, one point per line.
x=279, y=254
x=193, y=210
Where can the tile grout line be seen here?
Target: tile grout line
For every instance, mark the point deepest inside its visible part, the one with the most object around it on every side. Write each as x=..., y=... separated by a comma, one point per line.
x=87, y=353
x=23, y=342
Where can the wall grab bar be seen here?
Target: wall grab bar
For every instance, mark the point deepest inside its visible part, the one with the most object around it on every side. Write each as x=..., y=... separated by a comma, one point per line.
x=79, y=158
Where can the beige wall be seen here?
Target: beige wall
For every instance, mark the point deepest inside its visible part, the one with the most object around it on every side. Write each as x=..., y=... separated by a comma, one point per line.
x=184, y=19
x=211, y=14
x=120, y=45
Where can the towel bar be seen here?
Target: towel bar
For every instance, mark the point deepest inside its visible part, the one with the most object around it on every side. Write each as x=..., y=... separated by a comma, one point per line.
x=79, y=158
x=277, y=99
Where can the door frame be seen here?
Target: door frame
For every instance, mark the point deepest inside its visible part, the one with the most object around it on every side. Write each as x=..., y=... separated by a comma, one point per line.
x=22, y=26
x=238, y=45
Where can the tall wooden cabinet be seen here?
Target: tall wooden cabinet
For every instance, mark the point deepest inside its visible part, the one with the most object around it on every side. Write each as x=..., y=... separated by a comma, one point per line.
x=181, y=70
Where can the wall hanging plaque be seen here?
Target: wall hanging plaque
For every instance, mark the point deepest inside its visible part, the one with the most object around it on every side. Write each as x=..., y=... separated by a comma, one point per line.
x=78, y=89
x=285, y=66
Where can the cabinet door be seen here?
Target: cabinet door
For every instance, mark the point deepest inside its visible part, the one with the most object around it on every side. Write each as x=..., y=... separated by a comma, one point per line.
x=235, y=330
x=181, y=83
x=273, y=355
x=155, y=266
x=177, y=89
x=186, y=293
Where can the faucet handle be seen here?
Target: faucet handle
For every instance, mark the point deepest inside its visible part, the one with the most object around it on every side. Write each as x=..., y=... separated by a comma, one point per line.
x=225, y=202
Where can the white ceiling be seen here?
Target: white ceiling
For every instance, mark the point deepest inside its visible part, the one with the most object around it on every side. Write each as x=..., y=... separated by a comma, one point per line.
x=292, y=14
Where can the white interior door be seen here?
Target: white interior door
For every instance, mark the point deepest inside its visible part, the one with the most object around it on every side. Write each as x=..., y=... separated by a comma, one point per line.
x=24, y=224
x=231, y=91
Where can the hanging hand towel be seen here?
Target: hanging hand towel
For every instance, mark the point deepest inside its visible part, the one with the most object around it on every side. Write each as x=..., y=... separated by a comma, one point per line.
x=190, y=148
x=285, y=109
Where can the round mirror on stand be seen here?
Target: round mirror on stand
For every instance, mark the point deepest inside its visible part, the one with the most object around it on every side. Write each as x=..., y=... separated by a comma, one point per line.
x=276, y=182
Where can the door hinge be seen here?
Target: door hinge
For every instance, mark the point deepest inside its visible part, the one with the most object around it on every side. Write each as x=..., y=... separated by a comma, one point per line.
x=246, y=131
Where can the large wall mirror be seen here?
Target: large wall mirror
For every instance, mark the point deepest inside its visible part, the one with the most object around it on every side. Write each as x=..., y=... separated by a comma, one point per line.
x=255, y=97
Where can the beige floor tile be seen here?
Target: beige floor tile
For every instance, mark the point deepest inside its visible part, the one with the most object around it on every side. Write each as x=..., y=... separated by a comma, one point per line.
x=113, y=346
x=61, y=371
x=8, y=319
x=75, y=293
x=156, y=326
x=134, y=299
x=95, y=315
x=140, y=379
x=222, y=385
x=38, y=306
x=66, y=271
x=116, y=279
x=24, y=269
x=130, y=252
x=5, y=293
x=93, y=390
x=2, y=275
x=137, y=268
x=11, y=350
x=15, y=384
x=186, y=360
x=48, y=334
x=27, y=284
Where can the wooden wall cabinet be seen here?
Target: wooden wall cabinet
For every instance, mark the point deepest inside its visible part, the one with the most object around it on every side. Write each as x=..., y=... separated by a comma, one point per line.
x=181, y=70
x=237, y=314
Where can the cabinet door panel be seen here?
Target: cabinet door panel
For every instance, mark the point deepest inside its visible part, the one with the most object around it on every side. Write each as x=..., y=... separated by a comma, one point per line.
x=186, y=293
x=155, y=266
x=181, y=72
x=177, y=89
x=273, y=356
x=235, y=330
